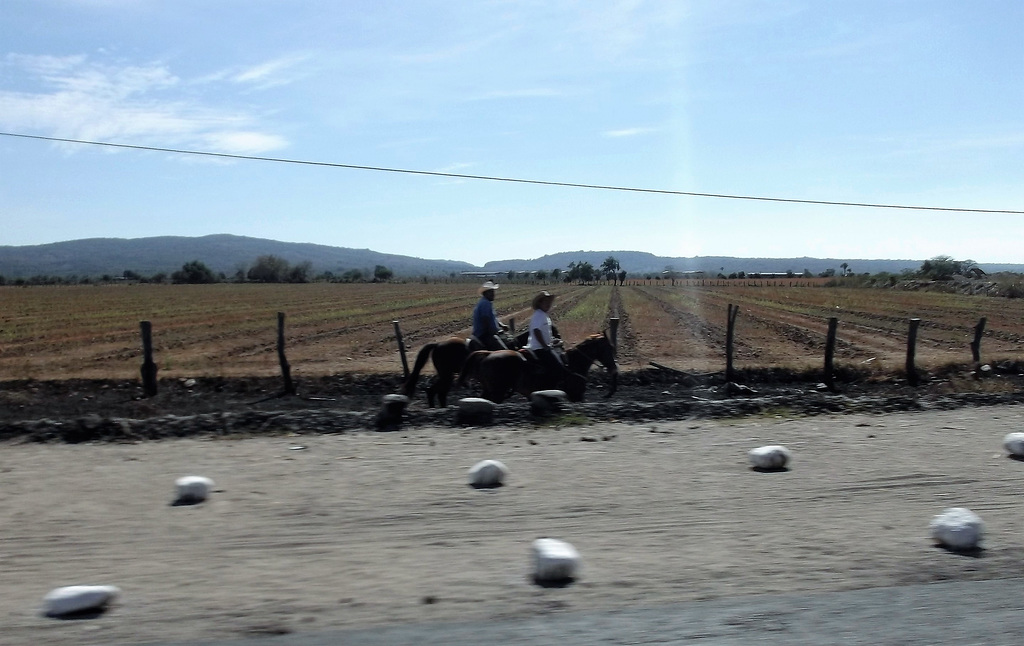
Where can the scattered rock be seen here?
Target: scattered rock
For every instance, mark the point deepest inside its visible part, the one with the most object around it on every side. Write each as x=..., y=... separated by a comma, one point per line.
x=554, y=561
x=192, y=489
x=957, y=528
x=475, y=411
x=547, y=402
x=392, y=410
x=733, y=389
x=1014, y=444
x=771, y=457
x=78, y=599
x=487, y=474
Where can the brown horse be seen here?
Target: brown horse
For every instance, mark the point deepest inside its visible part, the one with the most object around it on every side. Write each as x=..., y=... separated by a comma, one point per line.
x=506, y=371
x=448, y=357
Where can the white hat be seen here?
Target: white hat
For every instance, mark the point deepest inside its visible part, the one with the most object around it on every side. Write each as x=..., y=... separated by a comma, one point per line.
x=488, y=286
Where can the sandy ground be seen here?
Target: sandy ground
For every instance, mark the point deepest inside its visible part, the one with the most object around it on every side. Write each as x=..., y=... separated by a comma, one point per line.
x=380, y=528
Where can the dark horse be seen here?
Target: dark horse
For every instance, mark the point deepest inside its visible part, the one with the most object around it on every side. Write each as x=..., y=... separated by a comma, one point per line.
x=506, y=371
x=448, y=357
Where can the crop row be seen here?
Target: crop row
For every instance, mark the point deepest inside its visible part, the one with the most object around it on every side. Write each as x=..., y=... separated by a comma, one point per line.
x=230, y=330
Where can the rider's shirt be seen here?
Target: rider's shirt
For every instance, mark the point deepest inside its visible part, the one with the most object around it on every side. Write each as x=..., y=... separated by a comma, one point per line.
x=485, y=323
x=539, y=321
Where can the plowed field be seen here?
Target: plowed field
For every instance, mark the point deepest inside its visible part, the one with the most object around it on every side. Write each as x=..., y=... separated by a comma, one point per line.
x=231, y=330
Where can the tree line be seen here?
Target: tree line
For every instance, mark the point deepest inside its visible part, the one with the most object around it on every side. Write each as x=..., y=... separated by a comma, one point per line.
x=266, y=269
x=273, y=269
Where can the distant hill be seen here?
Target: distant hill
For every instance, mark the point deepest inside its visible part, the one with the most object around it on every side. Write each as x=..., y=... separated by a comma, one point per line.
x=221, y=253
x=638, y=263
x=228, y=253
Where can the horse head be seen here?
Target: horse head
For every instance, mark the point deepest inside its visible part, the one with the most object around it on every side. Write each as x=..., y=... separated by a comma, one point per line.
x=599, y=348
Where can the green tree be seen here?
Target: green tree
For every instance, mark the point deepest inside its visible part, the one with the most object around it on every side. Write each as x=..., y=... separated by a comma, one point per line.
x=300, y=273
x=269, y=269
x=586, y=272
x=610, y=265
x=193, y=273
x=945, y=267
x=352, y=276
x=382, y=274
x=541, y=274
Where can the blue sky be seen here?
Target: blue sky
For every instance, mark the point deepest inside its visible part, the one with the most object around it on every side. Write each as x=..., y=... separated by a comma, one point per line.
x=893, y=102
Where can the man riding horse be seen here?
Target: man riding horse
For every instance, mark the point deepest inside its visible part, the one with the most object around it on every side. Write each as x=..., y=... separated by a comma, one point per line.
x=486, y=326
x=449, y=355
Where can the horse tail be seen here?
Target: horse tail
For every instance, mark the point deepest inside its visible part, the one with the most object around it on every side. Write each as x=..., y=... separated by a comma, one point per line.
x=471, y=366
x=421, y=360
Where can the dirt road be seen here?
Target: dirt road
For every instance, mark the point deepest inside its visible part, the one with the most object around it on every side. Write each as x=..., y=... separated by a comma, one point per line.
x=307, y=534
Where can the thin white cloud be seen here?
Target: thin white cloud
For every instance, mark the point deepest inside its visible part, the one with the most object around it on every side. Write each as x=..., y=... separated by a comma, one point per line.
x=271, y=73
x=454, y=167
x=628, y=132
x=241, y=142
x=76, y=98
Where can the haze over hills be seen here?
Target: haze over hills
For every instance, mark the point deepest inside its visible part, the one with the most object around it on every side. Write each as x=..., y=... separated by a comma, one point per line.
x=227, y=254
x=222, y=253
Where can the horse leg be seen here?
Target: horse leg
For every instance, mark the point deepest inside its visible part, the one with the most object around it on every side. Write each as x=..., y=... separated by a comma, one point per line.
x=431, y=392
x=442, y=386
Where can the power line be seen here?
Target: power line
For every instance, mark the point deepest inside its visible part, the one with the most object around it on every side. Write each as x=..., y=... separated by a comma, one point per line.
x=516, y=180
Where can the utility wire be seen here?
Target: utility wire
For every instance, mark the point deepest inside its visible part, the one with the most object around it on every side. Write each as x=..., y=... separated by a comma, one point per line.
x=517, y=180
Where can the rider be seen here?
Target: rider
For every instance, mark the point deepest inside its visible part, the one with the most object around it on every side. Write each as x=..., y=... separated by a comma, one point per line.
x=541, y=340
x=486, y=325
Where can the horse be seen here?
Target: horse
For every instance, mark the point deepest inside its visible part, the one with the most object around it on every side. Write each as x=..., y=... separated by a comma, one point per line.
x=448, y=357
x=506, y=371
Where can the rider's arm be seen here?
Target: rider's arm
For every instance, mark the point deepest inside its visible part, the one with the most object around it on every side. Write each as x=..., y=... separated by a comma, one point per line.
x=540, y=337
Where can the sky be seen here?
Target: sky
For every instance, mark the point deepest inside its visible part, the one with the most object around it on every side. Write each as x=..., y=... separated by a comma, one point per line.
x=898, y=102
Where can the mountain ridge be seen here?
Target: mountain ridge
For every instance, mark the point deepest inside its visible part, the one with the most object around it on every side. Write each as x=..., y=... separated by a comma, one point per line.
x=227, y=254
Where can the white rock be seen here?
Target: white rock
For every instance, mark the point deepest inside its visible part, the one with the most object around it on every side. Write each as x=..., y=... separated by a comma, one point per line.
x=78, y=598
x=772, y=456
x=1014, y=443
x=488, y=473
x=544, y=402
x=476, y=406
x=549, y=395
x=957, y=528
x=554, y=560
x=193, y=488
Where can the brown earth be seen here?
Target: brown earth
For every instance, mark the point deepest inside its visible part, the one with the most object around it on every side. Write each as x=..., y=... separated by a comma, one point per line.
x=311, y=532
x=84, y=410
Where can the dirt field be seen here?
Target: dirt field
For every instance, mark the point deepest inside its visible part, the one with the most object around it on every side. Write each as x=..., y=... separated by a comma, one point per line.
x=307, y=533
x=229, y=330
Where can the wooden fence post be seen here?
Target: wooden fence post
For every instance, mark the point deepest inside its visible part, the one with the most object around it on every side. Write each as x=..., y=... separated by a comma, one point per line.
x=830, y=350
x=730, y=327
x=401, y=349
x=512, y=325
x=979, y=329
x=286, y=370
x=912, y=377
x=149, y=367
